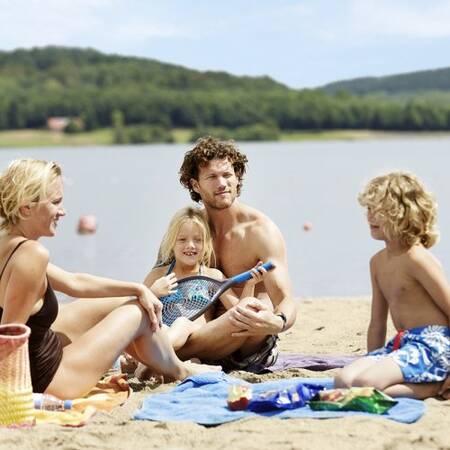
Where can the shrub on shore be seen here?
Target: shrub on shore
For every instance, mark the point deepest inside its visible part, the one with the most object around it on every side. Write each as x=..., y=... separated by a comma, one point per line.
x=253, y=132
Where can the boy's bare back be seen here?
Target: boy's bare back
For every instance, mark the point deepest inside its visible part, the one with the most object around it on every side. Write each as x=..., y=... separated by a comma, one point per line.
x=402, y=278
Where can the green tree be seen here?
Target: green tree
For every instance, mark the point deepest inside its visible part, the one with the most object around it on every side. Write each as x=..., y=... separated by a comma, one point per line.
x=119, y=128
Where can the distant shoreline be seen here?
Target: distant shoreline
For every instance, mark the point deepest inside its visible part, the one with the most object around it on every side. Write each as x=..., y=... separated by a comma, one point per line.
x=105, y=136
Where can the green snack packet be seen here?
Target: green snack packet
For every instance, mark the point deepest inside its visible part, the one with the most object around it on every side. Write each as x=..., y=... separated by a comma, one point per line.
x=365, y=399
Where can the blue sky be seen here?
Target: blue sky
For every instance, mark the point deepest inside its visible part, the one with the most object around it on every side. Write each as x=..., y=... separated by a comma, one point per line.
x=302, y=43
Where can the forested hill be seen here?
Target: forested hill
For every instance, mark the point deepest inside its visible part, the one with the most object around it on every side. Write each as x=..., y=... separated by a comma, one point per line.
x=98, y=90
x=414, y=82
x=70, y=67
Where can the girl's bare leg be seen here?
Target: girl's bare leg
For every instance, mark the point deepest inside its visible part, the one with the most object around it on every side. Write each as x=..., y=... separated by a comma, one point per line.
x=181, y=329
x=91, y=353
x=178, y=334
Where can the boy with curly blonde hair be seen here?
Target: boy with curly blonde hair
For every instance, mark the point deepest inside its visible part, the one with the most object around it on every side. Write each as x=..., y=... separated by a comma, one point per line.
x=409, y=283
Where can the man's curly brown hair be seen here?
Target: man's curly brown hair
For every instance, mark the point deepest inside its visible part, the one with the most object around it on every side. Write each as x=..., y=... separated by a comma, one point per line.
x=206, y=149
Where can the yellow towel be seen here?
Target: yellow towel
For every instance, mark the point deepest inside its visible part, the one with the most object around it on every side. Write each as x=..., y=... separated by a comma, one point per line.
x=109, y=393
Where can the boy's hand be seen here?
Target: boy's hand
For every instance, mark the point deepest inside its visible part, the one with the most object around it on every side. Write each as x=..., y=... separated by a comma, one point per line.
x=165, y=285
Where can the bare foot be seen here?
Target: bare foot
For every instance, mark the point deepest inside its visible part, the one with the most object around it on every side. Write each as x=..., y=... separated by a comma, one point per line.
x=144, y=373
x=444, y=391
x=127, y=363
x=191, y=368
x=187, y=369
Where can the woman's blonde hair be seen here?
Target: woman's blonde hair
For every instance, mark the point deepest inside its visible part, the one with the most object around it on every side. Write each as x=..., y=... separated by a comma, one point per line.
x=409, y=212
x=166, y=253
x=23, y=182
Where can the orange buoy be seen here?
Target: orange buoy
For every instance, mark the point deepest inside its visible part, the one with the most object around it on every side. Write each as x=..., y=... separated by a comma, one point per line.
x=307, y=226
x=87, y=224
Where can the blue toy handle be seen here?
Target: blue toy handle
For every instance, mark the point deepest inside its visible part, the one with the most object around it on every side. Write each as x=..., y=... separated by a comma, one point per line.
x=245, y=276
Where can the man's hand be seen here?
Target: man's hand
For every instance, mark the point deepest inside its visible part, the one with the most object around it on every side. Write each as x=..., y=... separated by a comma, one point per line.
x=445, y=389
x=255, y=318
x=165, y=285
x=153, y=307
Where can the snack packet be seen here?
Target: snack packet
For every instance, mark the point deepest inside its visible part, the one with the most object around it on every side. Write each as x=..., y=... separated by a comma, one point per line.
x=239, y=397
x=365, y=399
x=294, y=396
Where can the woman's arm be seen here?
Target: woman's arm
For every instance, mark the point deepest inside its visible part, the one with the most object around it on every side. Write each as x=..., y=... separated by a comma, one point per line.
x=85, y=285
x=91, y=286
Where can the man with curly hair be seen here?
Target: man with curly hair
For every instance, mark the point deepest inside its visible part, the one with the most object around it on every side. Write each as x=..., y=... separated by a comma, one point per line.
x=244, y=337
x=409, y=283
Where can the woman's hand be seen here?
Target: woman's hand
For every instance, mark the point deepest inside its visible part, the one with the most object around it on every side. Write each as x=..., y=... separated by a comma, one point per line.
x=165, y=285
x=153, y=307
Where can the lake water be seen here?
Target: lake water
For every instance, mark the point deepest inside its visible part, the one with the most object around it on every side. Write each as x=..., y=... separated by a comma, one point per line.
x=134, y=190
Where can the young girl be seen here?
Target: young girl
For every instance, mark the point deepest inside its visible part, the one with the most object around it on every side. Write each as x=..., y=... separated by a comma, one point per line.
x=408, y=282
x=186, y=250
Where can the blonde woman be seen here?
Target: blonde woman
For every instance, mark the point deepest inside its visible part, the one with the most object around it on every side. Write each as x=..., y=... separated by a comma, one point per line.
x=408, y=282
x=70, y=347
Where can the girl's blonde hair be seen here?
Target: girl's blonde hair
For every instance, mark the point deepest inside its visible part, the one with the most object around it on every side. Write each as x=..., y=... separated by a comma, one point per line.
x=166, y=253
x=409, y=212
x=23, y=182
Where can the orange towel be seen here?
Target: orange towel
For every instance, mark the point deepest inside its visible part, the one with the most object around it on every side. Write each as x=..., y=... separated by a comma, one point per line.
x=109, y=393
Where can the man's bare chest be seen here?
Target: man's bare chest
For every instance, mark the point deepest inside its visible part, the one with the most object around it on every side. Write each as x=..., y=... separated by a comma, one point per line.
x=234, y=254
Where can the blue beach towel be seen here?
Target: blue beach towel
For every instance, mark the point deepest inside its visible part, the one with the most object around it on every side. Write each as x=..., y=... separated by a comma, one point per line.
x=203, y=399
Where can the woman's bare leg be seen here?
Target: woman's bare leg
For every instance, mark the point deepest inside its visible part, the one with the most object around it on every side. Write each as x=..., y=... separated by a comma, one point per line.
x=76, y=318
x=89, y=355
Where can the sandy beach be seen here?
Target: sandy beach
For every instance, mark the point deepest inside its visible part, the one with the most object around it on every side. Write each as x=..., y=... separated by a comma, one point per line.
x=326, y=325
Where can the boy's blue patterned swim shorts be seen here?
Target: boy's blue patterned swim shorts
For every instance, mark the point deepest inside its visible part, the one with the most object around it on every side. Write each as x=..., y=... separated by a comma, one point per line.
x=423, y=353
